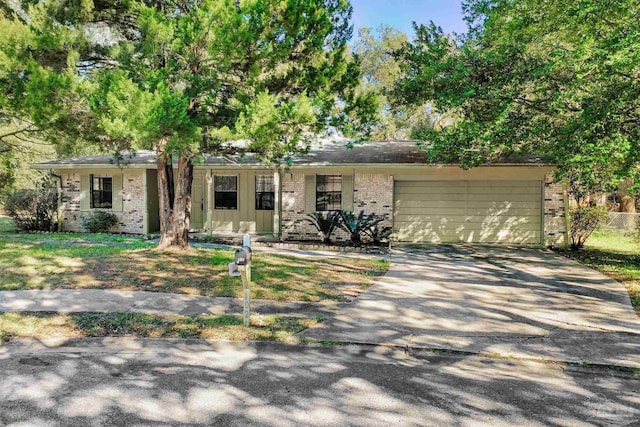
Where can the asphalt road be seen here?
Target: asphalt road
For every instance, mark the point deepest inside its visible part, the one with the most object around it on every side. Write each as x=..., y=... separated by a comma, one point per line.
x=176, y=382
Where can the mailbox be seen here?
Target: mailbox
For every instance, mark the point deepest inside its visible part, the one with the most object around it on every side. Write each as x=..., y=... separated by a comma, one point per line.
x=243, y=255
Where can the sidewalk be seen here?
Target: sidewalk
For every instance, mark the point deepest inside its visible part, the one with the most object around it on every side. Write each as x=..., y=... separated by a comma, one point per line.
x=299, y=253
x=104, y=301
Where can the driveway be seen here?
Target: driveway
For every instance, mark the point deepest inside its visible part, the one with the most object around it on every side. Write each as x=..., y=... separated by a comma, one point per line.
x=515, y=302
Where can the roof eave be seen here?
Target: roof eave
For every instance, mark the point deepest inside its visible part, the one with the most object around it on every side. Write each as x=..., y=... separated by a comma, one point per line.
x=49, y=166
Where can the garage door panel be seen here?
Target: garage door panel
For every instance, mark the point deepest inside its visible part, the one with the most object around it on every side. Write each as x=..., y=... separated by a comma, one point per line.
x=443, y=210
x=423, y=233
x=511, y=204
x=430, y=219
x=427, y=198
x=503, y=199
x=432, y=192
x=461, y=204
x=435, y=221
x=482, y=211
x=439, y=184
x=503, y=183
x=425, y=204
x=509, y=190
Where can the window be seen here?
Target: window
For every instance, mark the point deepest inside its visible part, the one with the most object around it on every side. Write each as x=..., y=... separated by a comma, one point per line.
x=101, y=192
x=225, y=189
x=328, y=192
x=265, y=193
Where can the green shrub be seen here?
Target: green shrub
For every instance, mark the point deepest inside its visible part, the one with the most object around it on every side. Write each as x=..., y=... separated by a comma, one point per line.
x=100, y=222
x=358, y=225
x=326, y=224
x=585, y=221
x=33, y=210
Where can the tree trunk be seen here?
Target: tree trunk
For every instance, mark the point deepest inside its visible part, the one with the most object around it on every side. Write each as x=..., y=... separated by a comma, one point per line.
x=174, y=199
x=627, y=202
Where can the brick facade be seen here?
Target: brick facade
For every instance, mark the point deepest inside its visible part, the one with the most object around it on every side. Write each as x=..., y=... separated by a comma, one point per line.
x=70, y=208
x=293, y=214
x=372, y=193
x=133, y=203
x=555, y=222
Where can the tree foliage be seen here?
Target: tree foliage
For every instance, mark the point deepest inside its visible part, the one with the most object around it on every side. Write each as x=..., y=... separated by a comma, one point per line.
x=183, y=78
x=375, y=49
x=34, y=209
x=559, y=79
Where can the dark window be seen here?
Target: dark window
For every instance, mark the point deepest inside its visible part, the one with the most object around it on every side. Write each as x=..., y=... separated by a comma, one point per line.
x=101, y=192
x=328, y=192
x=225, y=189
x=265, y=193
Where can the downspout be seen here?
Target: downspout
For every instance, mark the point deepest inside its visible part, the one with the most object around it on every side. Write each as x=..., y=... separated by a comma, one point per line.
x=567, y=214
x=277, y=214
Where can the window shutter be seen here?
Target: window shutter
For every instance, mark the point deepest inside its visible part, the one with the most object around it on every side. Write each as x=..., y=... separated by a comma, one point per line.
x=117, y=193
x=85, y=193
x=347, y=193
x=309, y=193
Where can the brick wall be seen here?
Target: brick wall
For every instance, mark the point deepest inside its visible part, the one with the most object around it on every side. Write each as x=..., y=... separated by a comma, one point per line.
x=373, y=193
x=555, y=224
x=294, y=223
x=133, y=204
x=70, y=209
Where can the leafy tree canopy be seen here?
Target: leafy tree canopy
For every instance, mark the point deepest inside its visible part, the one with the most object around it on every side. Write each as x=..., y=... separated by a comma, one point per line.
x=184, y=78
x=380, y=69
x=128, y=73
x=560, y=79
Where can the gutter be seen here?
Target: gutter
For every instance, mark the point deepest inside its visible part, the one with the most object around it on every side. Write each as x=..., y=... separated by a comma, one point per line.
x=58, y=166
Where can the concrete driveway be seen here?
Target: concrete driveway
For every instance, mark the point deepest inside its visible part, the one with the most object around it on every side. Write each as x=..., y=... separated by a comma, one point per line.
x=515, y=302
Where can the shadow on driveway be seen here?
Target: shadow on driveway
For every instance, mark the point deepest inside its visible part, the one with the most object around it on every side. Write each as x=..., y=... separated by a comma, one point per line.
x=516, y=302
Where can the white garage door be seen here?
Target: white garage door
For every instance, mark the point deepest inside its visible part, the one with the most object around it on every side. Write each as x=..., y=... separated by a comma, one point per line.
x=468, y=211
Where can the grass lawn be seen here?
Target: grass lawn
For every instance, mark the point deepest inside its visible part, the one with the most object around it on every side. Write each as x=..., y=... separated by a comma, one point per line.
x=76, y=325
x=618, y=256
x=6, y=225
x=74, y=261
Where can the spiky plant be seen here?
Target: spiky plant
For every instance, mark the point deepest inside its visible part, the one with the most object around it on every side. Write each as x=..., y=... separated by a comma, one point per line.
x=356, y=225
x=325, y=223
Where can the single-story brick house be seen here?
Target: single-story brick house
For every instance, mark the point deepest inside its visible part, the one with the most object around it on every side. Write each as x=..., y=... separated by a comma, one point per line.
x=514, y=201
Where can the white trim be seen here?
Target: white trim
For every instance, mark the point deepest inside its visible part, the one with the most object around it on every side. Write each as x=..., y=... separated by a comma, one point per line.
x=46, y=166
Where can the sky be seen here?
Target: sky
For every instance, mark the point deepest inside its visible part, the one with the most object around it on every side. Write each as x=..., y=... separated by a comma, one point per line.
x=401, y=13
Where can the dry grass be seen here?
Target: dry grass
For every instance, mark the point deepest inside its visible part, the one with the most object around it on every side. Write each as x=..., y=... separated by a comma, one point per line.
x=58, y=261
x=53, y=325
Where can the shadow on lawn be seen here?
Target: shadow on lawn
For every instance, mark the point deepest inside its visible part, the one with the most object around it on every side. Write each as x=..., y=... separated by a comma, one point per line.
x=134, y=265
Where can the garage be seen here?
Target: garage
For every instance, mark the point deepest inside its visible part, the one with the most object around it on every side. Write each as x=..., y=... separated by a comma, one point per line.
x=468, y=211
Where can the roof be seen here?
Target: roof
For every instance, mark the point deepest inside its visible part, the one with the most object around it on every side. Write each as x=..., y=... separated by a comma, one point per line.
x=396, y=152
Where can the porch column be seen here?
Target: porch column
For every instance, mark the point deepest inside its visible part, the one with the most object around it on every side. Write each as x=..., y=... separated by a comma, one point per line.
x=277, y=203
x=207, y=202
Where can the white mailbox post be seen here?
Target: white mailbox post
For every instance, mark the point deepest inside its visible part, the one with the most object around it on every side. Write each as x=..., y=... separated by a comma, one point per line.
x=241, y=266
